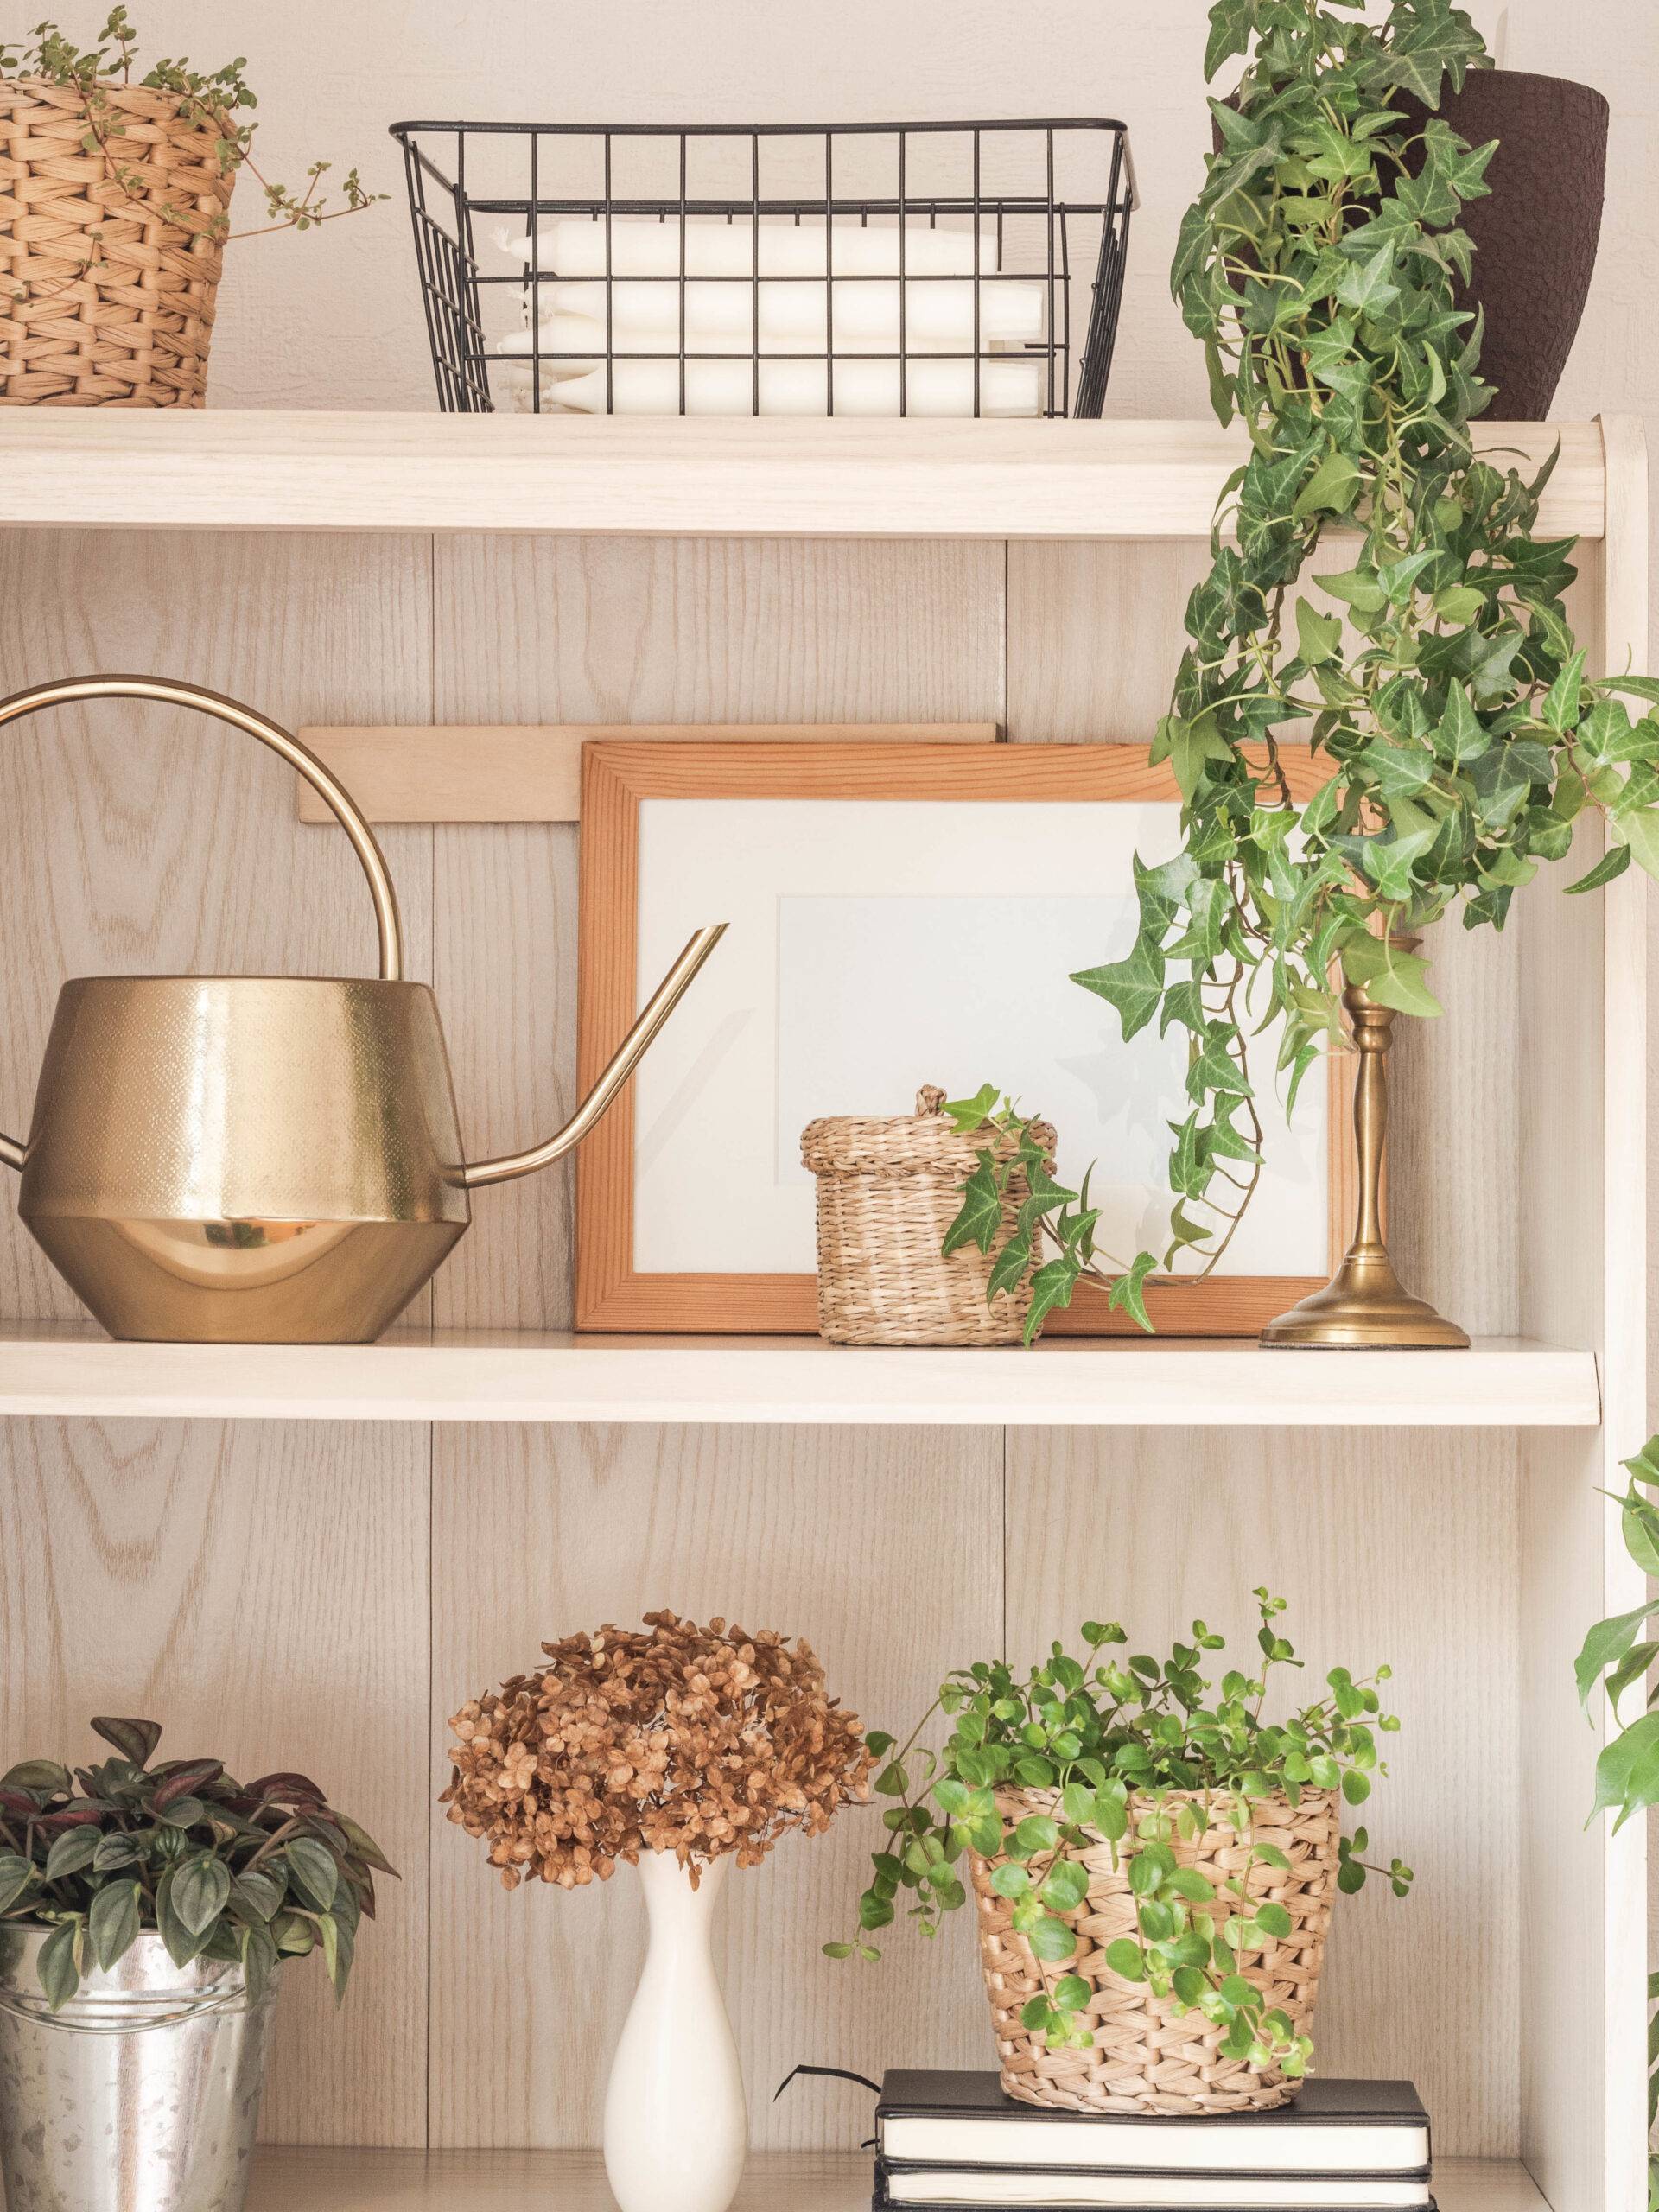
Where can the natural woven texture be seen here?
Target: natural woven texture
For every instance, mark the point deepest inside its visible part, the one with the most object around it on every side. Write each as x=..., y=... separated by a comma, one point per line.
x=1145, y=2060
x=116, y=305
x=887, y=1191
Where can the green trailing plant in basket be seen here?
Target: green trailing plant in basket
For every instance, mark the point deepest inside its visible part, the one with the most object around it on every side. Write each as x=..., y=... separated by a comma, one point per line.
x=218, y=98
x=1619, y=1657
x=1121, y=1738
x=245, y=1874
x=1435, y=669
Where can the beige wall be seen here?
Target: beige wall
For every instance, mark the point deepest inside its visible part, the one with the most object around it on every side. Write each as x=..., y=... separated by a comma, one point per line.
x=331, y=320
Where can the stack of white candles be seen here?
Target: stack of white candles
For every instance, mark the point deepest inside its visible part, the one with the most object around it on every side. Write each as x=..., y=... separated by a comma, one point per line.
x=839, y=290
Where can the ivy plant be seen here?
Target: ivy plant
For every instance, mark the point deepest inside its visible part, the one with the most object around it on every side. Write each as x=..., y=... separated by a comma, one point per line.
x=247, y=1874
x=1619, y=1657
x=221, y=98
x=1136, y=1753
x=1434, y=671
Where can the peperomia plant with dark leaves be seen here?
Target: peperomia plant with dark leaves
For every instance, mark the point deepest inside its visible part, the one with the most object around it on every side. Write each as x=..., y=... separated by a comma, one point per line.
x=1138, y=1754
x=1435, y=671
x=248, y=1874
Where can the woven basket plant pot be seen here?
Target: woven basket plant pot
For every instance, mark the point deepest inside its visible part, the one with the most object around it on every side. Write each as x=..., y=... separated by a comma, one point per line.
x=887, y=1191
x=105, y=299
x=1144, y=2058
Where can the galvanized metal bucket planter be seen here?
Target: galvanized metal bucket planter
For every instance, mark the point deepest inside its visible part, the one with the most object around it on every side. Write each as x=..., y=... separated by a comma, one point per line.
x=141, y=2095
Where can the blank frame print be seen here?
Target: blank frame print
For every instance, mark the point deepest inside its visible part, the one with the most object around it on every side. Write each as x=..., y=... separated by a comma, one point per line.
x=896, y=920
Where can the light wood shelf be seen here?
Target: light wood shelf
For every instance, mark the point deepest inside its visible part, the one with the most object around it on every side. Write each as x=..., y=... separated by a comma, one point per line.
x=121, y=469
x=574, y=2180
x=66, y=1370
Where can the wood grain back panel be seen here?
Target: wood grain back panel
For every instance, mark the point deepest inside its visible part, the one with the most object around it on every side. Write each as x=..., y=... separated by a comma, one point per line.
x=261, y=1591
x=536, y=630
x=512, y=772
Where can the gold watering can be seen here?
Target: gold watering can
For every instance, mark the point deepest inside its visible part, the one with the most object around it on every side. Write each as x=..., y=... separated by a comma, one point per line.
x=263, y=1160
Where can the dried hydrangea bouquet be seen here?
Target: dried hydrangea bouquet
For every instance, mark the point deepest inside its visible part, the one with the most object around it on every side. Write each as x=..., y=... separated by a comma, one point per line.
x=675, y=1748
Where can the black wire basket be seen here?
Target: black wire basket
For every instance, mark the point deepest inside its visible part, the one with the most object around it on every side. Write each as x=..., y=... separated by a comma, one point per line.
x=955, y=269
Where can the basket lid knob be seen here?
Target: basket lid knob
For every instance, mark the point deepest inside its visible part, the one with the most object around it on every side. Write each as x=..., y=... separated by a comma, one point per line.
x=929, y=1099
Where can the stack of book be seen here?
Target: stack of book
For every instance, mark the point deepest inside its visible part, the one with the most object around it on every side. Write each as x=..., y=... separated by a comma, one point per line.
x=948, y=2140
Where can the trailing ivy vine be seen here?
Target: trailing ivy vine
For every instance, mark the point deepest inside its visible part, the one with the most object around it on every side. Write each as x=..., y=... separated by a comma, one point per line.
x=1620, y=1656
x=1437, y=672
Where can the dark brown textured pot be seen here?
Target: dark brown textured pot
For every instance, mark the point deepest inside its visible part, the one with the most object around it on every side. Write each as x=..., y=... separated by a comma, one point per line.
x=1535, y=238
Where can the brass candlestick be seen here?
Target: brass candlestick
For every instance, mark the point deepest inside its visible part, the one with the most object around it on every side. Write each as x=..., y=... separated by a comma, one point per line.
x=1363, y=1307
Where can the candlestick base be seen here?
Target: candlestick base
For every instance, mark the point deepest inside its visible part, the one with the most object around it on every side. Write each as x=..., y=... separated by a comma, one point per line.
x=1363, y=1308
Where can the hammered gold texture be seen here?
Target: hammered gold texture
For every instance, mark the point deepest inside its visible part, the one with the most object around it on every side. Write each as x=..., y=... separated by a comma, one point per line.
x=245, y=1159
x=1144, y=2059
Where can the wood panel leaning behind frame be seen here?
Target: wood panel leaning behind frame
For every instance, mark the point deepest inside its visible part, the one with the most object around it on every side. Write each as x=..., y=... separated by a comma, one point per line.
x=610, y=1294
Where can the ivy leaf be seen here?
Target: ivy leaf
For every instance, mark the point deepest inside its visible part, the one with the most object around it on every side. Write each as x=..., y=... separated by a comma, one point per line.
x=1561, y=703
x=1192, y=747
x=1640, y=831
x=1051, y=1285
x=1319, y=637
x=1215, y=1068
x=1128, y=1294
x=1605, y=1645
x=1011, y=1265
x=1362, y=592
x=1424, y=52
x=1462, y=735
x=982, y=1210
x=1231, y=24
x=1133, y=986
x=1331, y=488
x=1627, y=1773
x=970, y=1114
x=1391, y=977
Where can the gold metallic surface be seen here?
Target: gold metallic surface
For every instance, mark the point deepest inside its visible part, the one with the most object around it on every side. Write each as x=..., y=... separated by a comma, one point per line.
x=1363, y=1307
x=261, y=1159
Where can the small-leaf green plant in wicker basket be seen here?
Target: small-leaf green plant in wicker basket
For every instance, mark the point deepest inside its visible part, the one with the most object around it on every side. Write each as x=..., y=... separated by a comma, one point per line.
x=1144, y=1766
x=221, y=98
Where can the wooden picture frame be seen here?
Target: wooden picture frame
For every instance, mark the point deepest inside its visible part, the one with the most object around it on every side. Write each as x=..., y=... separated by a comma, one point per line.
x=611, y=1295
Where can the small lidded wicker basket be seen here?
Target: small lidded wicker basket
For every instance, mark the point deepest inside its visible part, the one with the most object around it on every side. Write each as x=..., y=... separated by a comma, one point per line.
x=888, y=1190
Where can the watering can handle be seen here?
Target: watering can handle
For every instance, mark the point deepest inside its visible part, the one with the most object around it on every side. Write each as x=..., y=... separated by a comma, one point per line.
x=332, y=793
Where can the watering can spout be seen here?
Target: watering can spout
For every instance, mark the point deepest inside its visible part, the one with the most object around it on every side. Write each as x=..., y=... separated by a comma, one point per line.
x=626, y=1057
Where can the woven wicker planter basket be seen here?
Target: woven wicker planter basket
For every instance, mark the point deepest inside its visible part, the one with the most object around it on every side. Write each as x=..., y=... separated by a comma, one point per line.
x=1145, y=2060
x=117, y=301
x=887, y=1191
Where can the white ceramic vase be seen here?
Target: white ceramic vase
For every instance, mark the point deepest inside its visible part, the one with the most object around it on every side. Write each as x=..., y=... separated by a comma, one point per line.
x=676, y=2125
